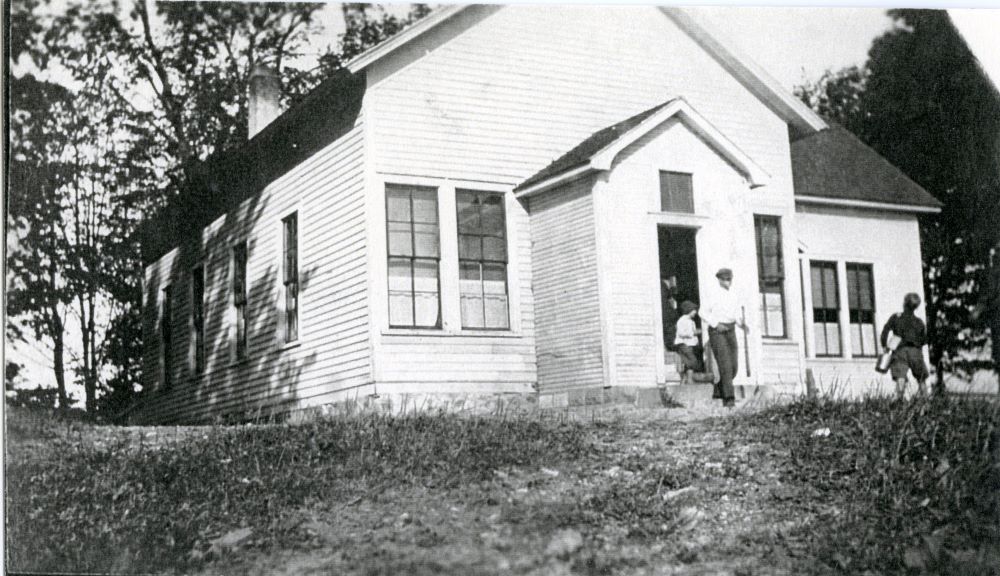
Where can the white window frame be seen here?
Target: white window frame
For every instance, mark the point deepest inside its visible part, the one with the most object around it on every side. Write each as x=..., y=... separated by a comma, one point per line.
x=279, y=233
x=450, y=294
x=843, y=313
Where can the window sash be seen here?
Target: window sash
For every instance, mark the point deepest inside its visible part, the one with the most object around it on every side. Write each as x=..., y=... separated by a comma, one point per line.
x=483, y=253
x=826, y=309
x=771, y=276
x=240, y=297
x=290, y=276
x=413, y=251
x=861, y=309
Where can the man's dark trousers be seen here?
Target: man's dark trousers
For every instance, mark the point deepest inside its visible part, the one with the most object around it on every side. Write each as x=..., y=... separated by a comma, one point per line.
x=727, y=356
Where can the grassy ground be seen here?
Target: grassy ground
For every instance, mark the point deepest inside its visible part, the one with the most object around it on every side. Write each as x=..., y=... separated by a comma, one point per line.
x=878, y=487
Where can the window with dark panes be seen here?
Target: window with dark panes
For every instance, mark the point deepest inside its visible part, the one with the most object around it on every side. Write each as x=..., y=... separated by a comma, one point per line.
x=198, y=316
x=861, y=308
x=167, y=335
x=482, y=260
x=676, y=192
x=771, y=276
x=826, y=308
x=240, y=297
x=414, y=256
x=290, y=275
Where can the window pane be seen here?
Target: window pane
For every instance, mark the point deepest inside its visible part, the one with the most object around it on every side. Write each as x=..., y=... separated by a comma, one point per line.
x=469, y=247
x=816, y=278
x=426, y=310
x=852, y=288
x=492, y=215
x=819, y=336
x=830, y=287
x=676, y=192
x=397, y=204
x=868, y=338
x=469, y=278
x=399, y=275
x=400, y=308
x=775, y=313
x=468, y=212
x=832, y=338
x=425, y=292
x=494, y=279
x=400, y=239
x=426, y=238
x=494, y=249
x=496, y=311
x=471, y=288
x=857, y=344
x=425, y=206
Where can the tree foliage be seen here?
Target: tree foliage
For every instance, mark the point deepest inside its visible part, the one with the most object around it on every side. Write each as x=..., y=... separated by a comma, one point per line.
x=923, y=102
x=119, y=102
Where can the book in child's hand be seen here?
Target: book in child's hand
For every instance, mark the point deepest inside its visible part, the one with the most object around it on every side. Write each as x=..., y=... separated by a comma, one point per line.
x=892, y=342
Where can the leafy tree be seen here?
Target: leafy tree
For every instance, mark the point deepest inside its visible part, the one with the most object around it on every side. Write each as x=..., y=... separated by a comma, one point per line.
x=923, y=102
x=155, y=89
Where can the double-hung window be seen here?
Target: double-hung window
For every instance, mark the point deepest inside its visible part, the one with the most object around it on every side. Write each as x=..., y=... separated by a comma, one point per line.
x=482, y=260
x=240, y=297
x=198, y=317
x=771, y=275
x=861, y=308
x=167, y=335
x=290, y=276
x=414, y=256
x=826, y=308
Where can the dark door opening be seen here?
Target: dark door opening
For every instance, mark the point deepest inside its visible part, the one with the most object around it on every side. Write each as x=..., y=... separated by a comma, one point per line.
x=678, y=282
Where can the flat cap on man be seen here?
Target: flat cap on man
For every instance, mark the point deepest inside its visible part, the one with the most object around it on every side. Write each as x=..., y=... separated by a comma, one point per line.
x=724, y=274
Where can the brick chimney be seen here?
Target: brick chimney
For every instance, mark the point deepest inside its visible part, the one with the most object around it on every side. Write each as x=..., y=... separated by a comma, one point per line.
x=265, y=99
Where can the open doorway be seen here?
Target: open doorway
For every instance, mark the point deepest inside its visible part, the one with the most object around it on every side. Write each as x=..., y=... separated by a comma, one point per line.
x=678, y=283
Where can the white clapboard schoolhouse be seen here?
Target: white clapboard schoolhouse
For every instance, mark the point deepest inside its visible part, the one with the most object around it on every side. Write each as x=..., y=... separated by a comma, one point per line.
x=488, y=204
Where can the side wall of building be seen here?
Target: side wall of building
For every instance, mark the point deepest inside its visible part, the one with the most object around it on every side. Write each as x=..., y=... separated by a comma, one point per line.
x=889, y=242
x=564, y=258
x=331, y=356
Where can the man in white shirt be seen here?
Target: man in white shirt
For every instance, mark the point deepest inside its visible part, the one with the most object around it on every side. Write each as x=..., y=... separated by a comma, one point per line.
x=722, y=312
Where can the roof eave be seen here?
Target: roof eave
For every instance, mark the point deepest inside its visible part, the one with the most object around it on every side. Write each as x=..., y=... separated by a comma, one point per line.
x=793, y=110
x=370, y=56
x=867, y=205
x=554, y=181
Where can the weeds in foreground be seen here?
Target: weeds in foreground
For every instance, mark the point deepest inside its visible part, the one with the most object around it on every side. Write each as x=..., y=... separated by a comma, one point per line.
x=118, y=507
x=918, y=480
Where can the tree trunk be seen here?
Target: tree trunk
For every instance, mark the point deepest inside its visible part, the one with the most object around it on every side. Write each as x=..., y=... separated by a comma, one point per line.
x=58, y=362
x=88, y=386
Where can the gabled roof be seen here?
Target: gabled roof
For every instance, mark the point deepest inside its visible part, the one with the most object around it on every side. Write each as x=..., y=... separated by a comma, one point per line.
x=833, y=167
x=749, y=73
x=598, y=151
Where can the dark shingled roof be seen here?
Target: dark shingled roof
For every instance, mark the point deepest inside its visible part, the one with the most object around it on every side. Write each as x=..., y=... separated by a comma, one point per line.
x=223, y=181
x=833, y=163
x=596, y=142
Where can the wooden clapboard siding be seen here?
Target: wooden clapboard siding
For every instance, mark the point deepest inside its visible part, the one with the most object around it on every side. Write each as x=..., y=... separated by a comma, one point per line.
x=332, y=353
x=521, y=85
x=568, y=317
x=781, y=363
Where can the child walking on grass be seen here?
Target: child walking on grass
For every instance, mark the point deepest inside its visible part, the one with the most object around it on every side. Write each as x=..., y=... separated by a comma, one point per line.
x=687, y=340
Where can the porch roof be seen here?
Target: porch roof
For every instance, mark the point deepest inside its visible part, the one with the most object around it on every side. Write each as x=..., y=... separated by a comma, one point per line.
x=597, y=151
x=834, y=167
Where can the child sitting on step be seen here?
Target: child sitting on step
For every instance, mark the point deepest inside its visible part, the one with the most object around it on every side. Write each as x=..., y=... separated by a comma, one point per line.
x=686, y=341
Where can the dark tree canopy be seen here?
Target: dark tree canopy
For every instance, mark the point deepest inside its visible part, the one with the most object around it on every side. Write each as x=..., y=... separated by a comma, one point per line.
x=924, y=103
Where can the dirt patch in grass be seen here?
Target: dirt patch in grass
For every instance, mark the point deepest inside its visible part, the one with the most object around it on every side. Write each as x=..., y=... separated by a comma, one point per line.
x=641, y=492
